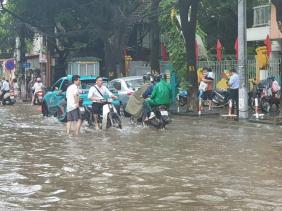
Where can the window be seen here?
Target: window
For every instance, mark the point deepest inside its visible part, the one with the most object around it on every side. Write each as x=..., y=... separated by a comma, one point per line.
x=57, y=85
x=136, y=83
x=261, y=15
x=82, y=69
x=117, y=85
x=65, y=85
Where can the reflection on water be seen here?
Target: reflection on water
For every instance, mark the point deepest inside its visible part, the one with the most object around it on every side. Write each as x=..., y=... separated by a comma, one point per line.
x=197, y=164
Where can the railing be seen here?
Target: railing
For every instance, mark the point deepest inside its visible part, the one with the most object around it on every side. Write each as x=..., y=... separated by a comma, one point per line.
x=261, y=15
x=219, y=67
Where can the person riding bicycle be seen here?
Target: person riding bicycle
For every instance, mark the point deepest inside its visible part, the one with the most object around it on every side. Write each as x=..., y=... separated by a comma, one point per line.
x=97, y=94
x=161, y=95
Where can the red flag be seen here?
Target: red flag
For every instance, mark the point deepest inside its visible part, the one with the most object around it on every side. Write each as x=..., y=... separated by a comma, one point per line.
x=218, y=50
x=267, y=43
x=163, y=52
x=236, y=48
x=196, y=51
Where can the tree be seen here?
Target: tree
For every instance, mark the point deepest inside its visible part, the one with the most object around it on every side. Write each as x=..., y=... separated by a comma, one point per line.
x=74, y=28
x=155, y=36
x=188, y=16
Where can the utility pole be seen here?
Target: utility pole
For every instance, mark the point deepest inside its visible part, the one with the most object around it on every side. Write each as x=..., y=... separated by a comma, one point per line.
x=242, y=58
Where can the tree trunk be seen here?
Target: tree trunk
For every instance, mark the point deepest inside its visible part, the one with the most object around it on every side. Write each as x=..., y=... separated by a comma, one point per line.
x=112, y=55
x=188, y=16
x=155, y=36
x=60, y=66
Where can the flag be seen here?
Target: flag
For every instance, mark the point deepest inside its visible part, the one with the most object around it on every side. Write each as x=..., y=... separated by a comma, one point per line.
x=218, y=51
x=164, y=52
x=267, y=43
x=236, y=48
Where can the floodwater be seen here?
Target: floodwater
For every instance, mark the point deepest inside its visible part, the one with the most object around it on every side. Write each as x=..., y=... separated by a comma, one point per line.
x=196, y=164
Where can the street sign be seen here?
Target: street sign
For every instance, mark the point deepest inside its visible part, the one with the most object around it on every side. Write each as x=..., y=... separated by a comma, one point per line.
x=10, y=65
x=26, y=65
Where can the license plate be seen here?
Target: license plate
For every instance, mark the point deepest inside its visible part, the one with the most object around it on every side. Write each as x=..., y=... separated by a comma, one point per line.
x=82, y=109
x=164, y=113
x=40, y=97
x=12, y=97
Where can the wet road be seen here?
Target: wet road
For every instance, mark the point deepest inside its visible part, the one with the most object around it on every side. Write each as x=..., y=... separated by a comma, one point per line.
x=197, y=164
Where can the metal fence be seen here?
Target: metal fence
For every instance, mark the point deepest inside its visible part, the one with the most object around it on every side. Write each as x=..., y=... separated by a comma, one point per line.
x=219, y=67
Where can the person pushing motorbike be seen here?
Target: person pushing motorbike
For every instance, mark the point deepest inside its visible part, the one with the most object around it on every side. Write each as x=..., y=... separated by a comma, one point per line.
x=97, y=94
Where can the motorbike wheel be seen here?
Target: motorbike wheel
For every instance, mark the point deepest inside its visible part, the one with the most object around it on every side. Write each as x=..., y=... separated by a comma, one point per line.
x=114, y=120
x=265, y=105
x=182, y=101
x=252, y=102
x=62, y=117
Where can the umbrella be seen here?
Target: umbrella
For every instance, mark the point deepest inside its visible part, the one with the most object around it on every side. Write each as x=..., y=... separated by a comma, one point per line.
x=267, y=43
x=218, y=50
x=236, y=48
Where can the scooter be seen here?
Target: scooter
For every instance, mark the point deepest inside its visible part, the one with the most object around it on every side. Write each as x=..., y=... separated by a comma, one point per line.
x=9, y=98
x=109, y=118
x=38, y=98
x=220, y=98
x=160, y=120
x=182, y=97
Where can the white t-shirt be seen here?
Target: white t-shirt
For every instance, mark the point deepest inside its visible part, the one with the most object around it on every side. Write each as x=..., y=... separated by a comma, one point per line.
x=37, y=87
x=72, y=96
x=5, y=86
x=93, y=92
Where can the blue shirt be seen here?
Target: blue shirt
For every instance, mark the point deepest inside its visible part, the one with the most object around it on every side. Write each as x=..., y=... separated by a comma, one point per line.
x=234, y=81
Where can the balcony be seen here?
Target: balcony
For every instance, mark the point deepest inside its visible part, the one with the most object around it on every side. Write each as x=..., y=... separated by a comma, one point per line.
x=262, y=15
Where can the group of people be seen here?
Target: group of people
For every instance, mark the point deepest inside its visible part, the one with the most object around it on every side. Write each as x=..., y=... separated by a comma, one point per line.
x=7, y=86
x=96, y=94
x=206, y=89
x=155, y=91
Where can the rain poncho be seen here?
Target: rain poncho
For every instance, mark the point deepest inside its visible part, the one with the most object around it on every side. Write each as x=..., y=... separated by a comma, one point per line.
x=135, y=103
x=161, y=95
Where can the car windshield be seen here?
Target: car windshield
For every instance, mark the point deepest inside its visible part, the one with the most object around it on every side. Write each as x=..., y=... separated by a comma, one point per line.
x=135, y=83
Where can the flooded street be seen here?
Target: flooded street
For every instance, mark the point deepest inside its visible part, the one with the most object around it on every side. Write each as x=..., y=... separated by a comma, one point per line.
x=197, y=164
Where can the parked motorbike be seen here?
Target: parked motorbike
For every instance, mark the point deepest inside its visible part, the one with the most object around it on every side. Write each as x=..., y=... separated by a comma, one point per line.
x=9, y=98
x=268, y=100
x=38, y=98
x=182, y=97
x=220, y=98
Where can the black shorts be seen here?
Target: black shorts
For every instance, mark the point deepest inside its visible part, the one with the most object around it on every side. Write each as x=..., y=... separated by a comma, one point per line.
x=73, y=115
x=207, y=95
x=97, y=108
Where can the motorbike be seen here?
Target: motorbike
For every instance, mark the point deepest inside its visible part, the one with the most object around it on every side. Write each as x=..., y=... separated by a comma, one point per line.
x=220, y=98
x=9, y=98
x=160, y=120
x=38, y=98
x=109, y=118
x=268, y=100
x=182, y=97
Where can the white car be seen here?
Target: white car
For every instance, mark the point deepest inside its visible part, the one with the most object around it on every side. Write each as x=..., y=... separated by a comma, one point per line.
x=125, y=87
